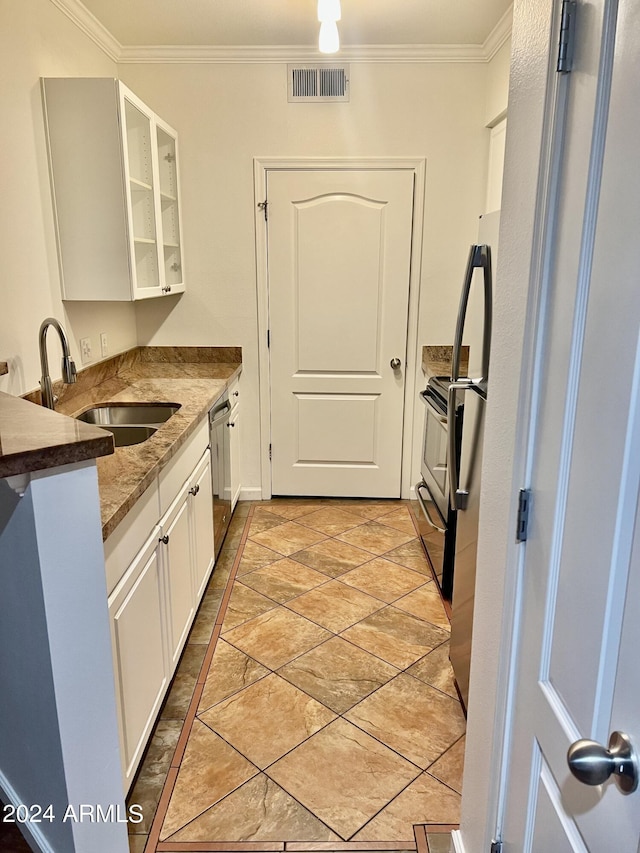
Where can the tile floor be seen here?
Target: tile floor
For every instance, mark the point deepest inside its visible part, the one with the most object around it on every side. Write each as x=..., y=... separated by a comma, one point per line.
x=314, y=703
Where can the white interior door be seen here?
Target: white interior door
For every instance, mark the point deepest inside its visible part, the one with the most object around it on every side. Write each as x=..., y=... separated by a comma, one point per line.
x=577, y=673
x=339, y=253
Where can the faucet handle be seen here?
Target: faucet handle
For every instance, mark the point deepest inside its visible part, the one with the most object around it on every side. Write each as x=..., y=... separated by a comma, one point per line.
x=69, y=372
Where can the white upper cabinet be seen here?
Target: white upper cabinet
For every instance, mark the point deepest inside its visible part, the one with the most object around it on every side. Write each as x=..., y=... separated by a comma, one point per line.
x=114, y=178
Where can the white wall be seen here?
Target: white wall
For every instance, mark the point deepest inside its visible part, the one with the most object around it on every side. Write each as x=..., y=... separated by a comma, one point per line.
x=228, y=114
x=37, y=40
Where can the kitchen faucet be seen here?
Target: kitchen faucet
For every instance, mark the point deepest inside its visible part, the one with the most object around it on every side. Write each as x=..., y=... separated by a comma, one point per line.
x=68, y=365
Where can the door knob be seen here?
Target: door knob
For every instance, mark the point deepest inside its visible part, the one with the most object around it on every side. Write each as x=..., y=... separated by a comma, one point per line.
x=592, y=763
x=395, y=363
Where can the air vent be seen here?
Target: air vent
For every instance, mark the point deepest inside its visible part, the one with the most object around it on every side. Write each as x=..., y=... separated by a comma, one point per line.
x=318, y=82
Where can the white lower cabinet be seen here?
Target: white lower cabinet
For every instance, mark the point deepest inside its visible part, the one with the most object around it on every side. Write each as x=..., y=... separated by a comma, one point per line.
x=153, y=605
x=202, y=514
x=234, y=443
x=138, y=633
x=177, y=558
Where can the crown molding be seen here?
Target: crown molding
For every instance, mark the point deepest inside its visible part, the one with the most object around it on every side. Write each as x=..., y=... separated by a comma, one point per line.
x=194, y=54
x=499, y=35
x=295, y=53
x=90, y=26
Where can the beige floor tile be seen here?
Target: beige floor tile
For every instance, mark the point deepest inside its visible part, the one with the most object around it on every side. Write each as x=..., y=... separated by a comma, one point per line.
x=267, y=719
x=289, y=509
x=449, y=767
x=335, y=606
x=395, y=636
x=412, y=556
x=338, y=674
x=425, y=801
x=137, y=843
x=184, y=682
x=364, y=508
x=210, y=770
x=375, y=537
x=425, y=603
x=255, y=556
x=399, y=519
x=435, y=669
x=258, y=811
x=411, y=717
x=276, y=637
x=343, y=776
x=283, y=580
x=264, y=521
x=383, y=579
x=332, y=557
x=288, y=538
x=230, y=671
x=153, y=772
x=244, y=604
x=331, y=520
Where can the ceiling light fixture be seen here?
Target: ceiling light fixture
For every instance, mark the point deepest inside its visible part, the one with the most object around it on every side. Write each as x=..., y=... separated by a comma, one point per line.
x=329, y=10
x=329, y=41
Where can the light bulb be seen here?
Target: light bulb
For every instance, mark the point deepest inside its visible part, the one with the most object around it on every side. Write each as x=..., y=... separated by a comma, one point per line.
x=329, y=41
x=329, y=10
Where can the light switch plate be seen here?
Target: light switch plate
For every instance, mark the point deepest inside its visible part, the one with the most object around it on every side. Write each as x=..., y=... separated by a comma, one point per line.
x=85, y=350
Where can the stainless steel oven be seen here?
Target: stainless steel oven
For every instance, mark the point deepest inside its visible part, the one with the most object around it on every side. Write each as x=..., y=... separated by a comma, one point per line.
x=438, y=526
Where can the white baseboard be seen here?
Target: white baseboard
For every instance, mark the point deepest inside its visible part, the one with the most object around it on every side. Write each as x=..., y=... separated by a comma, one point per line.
x=456, y=842
x=250, y=493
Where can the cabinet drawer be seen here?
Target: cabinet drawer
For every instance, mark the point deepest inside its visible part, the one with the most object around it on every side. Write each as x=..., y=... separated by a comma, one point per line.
x=174, y=475
x=130, y=535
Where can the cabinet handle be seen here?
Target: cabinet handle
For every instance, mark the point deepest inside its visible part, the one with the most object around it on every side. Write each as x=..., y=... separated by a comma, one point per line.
x=164, y=539
x=231, y=424
x=236, y=393
x=194, y=491
x=167, y=289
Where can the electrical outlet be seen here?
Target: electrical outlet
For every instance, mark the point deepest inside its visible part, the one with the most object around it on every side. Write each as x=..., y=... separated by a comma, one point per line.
x=85, y=350
x=104, y=344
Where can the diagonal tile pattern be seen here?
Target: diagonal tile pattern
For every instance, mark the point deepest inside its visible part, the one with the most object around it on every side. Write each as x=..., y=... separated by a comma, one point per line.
x=329, y=711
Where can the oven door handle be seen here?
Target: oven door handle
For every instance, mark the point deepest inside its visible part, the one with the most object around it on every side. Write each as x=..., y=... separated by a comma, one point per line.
x=425, y=508
x=457, y=498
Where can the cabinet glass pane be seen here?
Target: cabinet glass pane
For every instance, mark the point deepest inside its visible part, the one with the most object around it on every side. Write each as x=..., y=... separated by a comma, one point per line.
x=138, y=144
x=172, y=265
x=167, y=164
x=146, y=265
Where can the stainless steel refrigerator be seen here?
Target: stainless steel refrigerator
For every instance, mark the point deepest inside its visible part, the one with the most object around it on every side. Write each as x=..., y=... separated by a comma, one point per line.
x=473, y=327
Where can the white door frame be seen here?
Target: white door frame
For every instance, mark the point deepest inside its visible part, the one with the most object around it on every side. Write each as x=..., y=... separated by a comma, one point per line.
x=262, y=165
x=536, y=107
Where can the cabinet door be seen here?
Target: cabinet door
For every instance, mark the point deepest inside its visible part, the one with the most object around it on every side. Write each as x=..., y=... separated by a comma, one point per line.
x=169, y=190
x=202, y=518
x=139, y=146
x=136, y=610
x=234, y=450
x=177, y=555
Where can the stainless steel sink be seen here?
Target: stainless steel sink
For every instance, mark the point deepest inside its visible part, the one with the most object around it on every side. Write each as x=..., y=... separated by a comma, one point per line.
x=130, y=423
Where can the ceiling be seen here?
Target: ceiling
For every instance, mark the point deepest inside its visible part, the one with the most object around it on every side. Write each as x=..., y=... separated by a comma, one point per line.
x=253, y=23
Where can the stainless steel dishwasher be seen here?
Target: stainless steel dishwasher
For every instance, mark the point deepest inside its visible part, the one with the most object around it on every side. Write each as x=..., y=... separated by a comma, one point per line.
x=220, y=469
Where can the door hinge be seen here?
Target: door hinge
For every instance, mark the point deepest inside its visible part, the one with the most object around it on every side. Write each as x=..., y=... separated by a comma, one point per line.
x=268, y=338
x=522, y=523
x=567, y=36
x=263, y=207
x=269, y=451
x=496, y=847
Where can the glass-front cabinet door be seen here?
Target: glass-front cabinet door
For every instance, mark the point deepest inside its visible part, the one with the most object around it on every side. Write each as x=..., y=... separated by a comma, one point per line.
x=150, y=159
x=138, y=143
x=171, y=254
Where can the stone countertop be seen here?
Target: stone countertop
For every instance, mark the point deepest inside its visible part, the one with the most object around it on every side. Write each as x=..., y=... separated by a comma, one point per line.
x=436, y=360
x=33, y=438
x=124, y=476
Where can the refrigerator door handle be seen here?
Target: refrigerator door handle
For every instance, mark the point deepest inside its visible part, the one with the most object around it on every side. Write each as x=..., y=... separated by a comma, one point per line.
x=457, y=498
x=479, y=256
